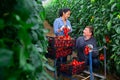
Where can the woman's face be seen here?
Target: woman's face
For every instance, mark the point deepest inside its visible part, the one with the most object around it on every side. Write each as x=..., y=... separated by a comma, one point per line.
x=66, y=15
x=86, y=32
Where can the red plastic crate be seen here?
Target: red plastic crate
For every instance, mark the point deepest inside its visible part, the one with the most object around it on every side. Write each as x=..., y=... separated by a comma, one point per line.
x=55, y=42
x=71, y=69
x=59, y=52
x=59, y=48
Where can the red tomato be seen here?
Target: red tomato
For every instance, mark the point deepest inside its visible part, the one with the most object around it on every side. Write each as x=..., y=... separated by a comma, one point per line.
x=86, y=50
x=101, y=57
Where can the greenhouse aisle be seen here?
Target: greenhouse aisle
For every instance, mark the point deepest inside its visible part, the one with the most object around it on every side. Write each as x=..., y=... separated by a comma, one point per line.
x=49, y=27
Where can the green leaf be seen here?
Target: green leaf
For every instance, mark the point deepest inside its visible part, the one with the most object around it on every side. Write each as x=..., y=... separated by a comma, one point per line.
x=40, y=48
x=104, y=40
x=118, y=68
x=45, y=31
x=114, y=47
x=92, y=1
x=111, y=1
x=34, y=36
x=112, y=56
x=17, y=17
x=49, y=67
x=42, y=15
x=24, y=37
x=117, y=41
x=45, y=76
x=36, y=59
x=2, y=43
x=6, y=57
x=25, y=10
x=29, y=67
x=113, y=6
x=109, y=25
x=117, y=30
x=22, y=58
x=1, y=23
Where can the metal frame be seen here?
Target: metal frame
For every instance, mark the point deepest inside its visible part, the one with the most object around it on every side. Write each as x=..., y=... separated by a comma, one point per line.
x=90, y=73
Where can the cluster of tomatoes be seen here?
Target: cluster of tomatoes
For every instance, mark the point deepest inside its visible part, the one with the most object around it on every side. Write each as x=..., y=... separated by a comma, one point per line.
x=63, y=38
x=76, y=62
x=73, y=67
x=60, y=52
x=61, y=46
x=66, y=30
x=63, y=52
x=77, y=66
x=62, y=42
x=86, y=50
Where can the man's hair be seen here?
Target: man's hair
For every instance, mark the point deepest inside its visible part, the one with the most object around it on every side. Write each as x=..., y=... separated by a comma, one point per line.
x=91, y=29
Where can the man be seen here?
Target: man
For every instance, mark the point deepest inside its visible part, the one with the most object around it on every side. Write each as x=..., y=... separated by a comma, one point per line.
x=82, y=42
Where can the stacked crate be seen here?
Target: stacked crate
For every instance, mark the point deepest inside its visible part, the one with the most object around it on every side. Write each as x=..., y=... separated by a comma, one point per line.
x=58, y=47
x=72, y=68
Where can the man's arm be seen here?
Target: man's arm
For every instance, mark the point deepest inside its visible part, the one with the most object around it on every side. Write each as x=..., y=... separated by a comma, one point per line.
x=95, y=52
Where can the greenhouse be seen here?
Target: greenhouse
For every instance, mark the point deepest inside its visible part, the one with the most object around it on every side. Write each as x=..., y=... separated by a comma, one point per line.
x=59, y=39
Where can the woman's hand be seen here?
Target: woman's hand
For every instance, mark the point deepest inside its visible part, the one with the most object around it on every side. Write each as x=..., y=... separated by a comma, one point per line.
x=62, y=28
x=59, y=30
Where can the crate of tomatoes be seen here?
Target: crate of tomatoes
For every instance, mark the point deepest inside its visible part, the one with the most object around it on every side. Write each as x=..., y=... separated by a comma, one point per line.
x=60, y=46
x=72, y=68
x=61, y=41
x=59, y=52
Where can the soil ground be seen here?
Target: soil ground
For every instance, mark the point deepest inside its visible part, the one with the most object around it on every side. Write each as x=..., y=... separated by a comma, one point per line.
x=51, y=62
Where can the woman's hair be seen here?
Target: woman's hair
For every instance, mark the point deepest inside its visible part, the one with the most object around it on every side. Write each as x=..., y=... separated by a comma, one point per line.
x=63, y=10
x=91, y=29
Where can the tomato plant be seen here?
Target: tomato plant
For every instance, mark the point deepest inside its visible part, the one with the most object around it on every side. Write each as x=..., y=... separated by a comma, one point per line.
x=22, y=40
x=102, y=15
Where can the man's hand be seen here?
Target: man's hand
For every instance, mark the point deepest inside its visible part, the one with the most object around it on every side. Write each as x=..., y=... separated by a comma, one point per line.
x=88, y=48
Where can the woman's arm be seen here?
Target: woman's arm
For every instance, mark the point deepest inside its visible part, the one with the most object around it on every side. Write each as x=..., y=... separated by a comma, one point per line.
x=56, y=27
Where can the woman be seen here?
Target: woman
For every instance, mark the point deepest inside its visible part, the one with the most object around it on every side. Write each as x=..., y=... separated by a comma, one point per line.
x=82, y=42
x=62, y=22
x=58, y=26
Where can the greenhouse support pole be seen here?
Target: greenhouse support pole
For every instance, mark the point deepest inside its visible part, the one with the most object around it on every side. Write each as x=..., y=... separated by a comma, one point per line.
x=90, y=62
x=105, y=61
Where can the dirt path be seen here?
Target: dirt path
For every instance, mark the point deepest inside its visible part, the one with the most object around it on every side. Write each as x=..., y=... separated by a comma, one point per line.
x=50, y=28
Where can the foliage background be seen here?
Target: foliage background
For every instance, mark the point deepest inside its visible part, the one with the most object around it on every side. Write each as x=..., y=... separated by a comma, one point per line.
x=23, y=43
x=103, y=15
x=22, y=37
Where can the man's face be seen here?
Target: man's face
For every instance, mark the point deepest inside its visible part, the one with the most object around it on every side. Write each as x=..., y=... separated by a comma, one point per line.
x=86, y=32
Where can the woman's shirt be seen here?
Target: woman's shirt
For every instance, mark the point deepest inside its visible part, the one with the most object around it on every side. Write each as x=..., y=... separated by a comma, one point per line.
x=58, y=23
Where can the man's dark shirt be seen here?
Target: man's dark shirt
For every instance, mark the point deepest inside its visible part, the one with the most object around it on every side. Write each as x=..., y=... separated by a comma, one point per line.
x=80, y=45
